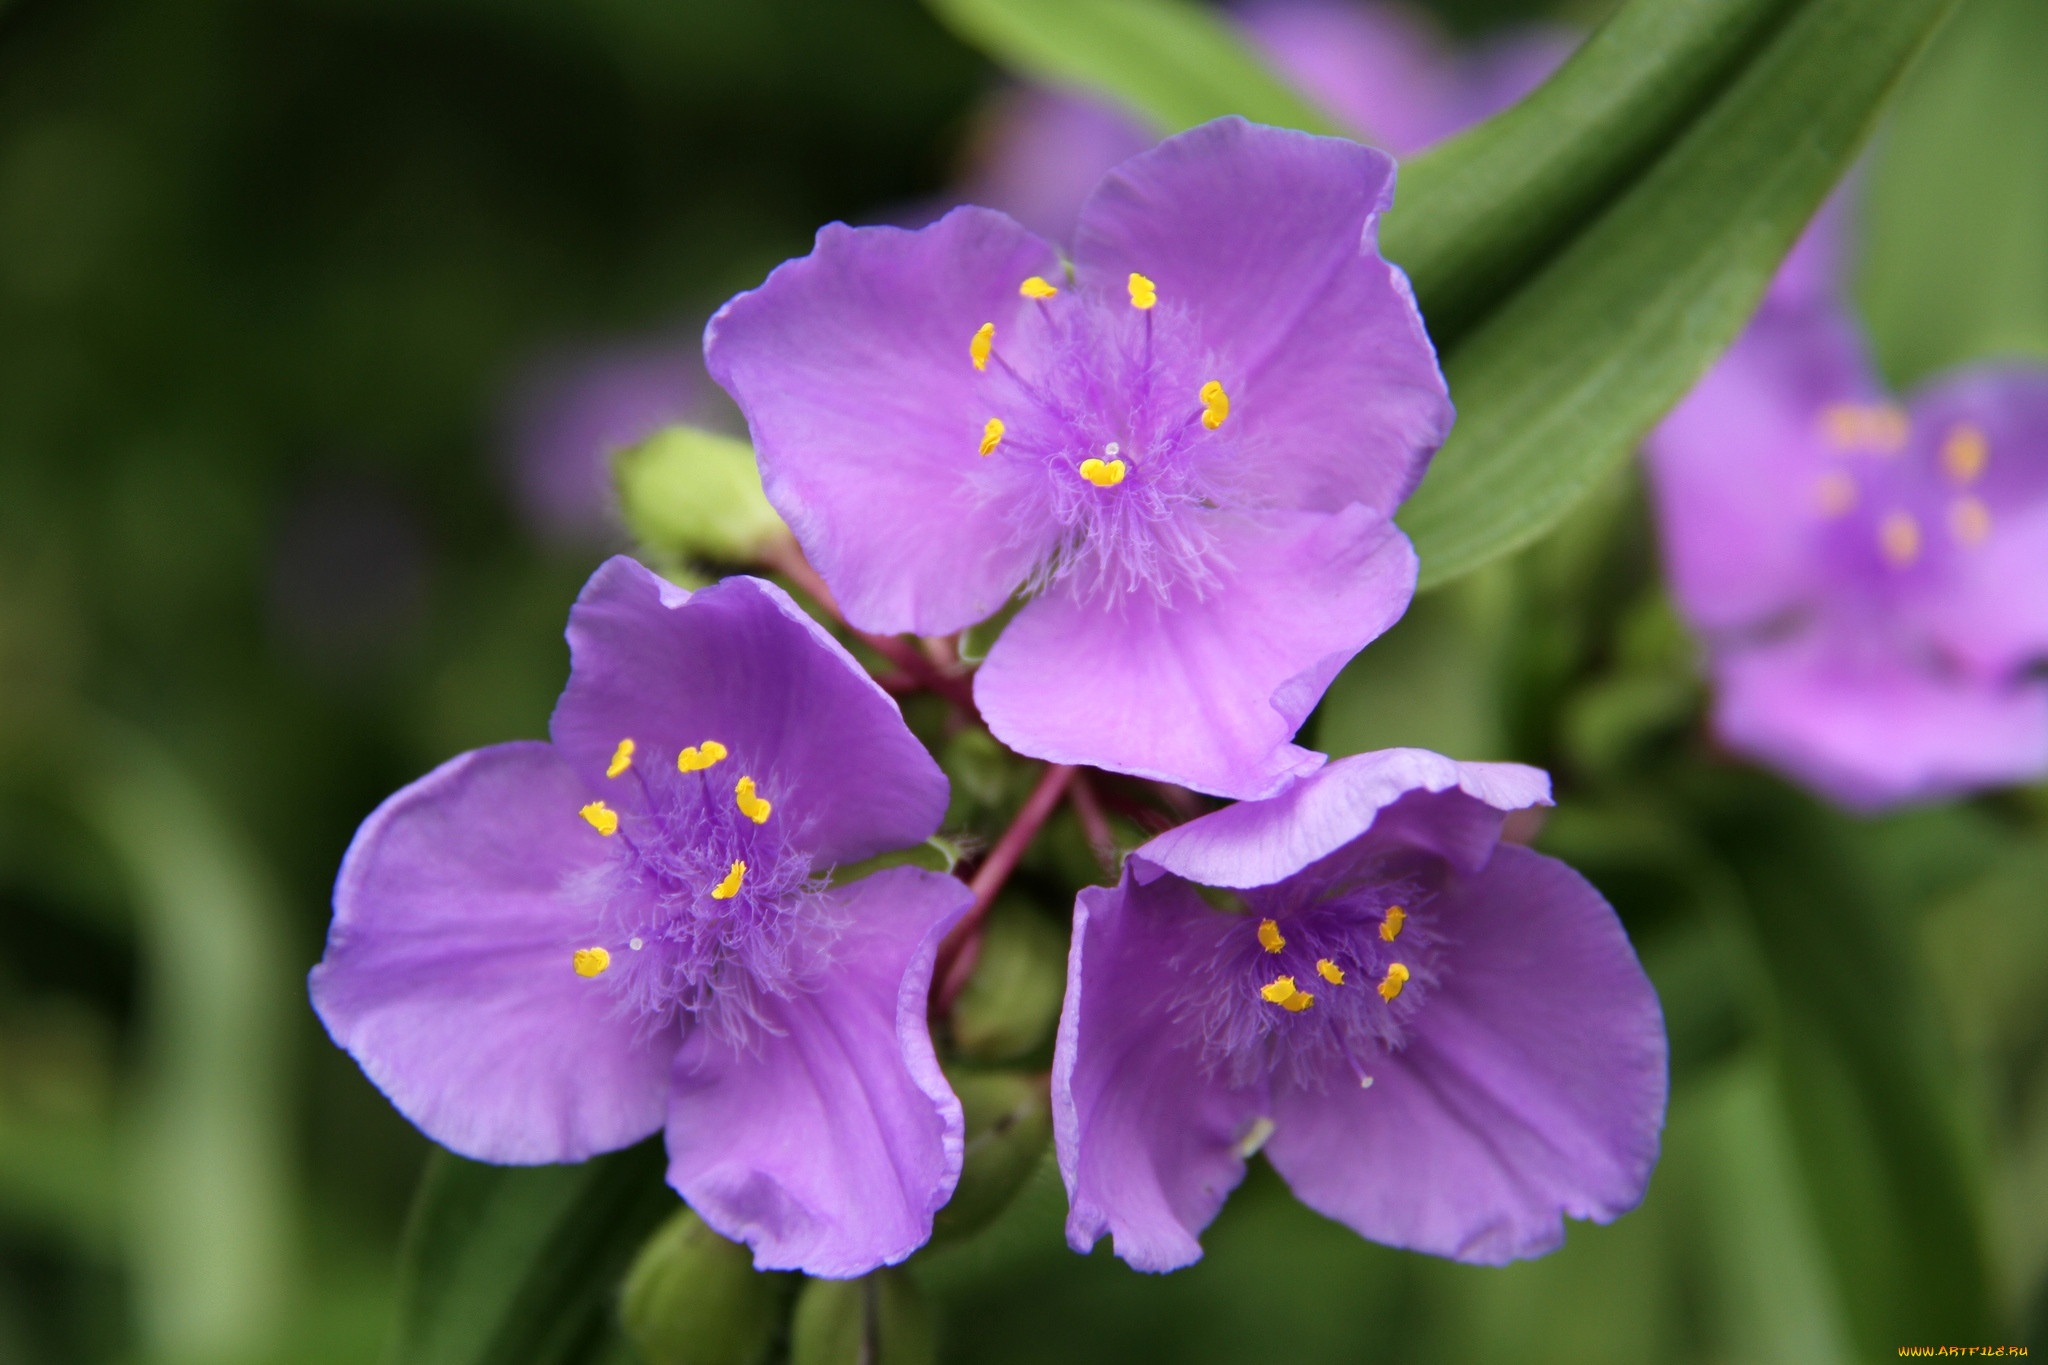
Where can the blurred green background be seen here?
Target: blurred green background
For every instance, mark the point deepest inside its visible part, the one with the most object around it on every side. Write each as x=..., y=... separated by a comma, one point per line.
x=275, y=276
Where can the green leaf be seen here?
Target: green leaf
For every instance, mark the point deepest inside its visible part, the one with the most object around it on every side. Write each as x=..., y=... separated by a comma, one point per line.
x=520, y=1265
x=1556, y=386
x=1175, y=63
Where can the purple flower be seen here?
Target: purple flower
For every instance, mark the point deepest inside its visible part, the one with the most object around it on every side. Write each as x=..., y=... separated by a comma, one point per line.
x=1441, y=1041
x=1187, y=452
x=1871, y=577
x=543, y=951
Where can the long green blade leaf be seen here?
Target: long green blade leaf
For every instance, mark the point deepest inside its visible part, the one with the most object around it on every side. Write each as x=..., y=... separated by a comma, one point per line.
x=1558, y=385
x=1175, y=63
x=518, y=1265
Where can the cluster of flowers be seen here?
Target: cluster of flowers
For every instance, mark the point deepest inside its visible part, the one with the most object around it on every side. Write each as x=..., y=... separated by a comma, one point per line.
x=1179, y=448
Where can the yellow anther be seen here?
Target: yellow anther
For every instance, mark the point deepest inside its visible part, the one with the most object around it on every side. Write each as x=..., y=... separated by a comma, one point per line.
x=1329, y=971
x=1835, y=491
x=1101, y=474
x=1144, y=293
x=1898, y=535
x=1270, y=937
x=602, y=818
x=1283, y=992
x=591, y=961
x=1390, y=927
x=751, y=806
x=699, y=756
x=1878, y=427
x=730, y=887
x=991, y=435
x=1215, y=405
x=1037, y=288
x=622, y=759
x=1391, y=984
x=1969, y=520
x=983, y=343
x=1965, y=453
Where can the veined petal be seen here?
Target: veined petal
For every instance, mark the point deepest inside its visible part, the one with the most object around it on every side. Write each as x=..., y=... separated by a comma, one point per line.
x=449, y=971
x=829, y=1148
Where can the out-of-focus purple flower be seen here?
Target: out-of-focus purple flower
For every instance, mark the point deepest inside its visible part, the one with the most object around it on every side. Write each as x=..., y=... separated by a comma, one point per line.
x=541, y=951
x=1189, y=451
x=1385, y=71
x=572, y=412
x=1441, y=1041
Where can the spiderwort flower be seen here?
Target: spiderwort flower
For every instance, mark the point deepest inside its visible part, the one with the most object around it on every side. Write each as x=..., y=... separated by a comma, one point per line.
x=541, y=951
x=1442, y=1041
x=1186, y=450
x=1871, y=576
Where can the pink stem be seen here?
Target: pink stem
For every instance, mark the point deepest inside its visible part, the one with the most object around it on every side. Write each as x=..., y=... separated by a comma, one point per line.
x=962, y=947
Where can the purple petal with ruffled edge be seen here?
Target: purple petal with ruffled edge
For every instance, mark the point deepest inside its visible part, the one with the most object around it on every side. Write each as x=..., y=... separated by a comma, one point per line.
x=1870, y=728
x=448, y=972
x=740, y=663
x=1735, y=467
x=852, y=366
x=829, y=1147
x=1208, y=692
x=1257, y=843
x=1992, y=609
x=1147, y=1143
x=1532, y=1087
x=1341, y=384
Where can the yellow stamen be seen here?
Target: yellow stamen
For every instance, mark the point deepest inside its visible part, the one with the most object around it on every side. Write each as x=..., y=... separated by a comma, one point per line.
x=751, y=806
x=1969, y=520
x=991, y=435
x=602, y=818
x=1282, y=992
x=1102, y=475
x=699, y=756
x=1143, y=292
x=1899, y=537
x=1836, y=493
x=1396, y=978
x=1964, y=453
x=1329, y=971
x=1390, y=927
x=591, y=961
x=622, y=759
x=984, y=342
x=1215, y=405
x=1270, y=937
x=1878, y=427
x=730, y=887
x=1037, y=288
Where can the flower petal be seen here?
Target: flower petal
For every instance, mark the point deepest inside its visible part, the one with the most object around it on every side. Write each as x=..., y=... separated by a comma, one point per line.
x=740, y=663
x=1735, y=468
x=1268, y=236
x=830, y=1146
x=1532, y=1087
x=1207, y=692
x=1873, y=730
x=1147, y=1142
x=852, y=367
x=1414, y=797
x=448, y=972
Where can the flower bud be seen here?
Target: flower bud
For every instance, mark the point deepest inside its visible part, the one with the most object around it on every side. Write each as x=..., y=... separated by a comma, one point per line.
x=1009, y=1123
x=1010, y=1004
x=878, y=1319
x=693, y=1298
x=691, y=495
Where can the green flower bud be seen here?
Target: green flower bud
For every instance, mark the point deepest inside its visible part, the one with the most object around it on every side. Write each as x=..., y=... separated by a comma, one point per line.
x=693, y=1298
x=878, y=1319
x=688, y=494
x=1009, y=1006
x=1009, y=1124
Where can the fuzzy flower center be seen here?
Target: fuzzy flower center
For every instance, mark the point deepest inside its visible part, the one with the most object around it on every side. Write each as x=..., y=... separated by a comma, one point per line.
x=1110, y=438
x=704, y=909
x=1314, y=981
x=1897, y=511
